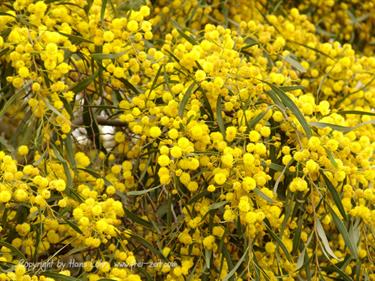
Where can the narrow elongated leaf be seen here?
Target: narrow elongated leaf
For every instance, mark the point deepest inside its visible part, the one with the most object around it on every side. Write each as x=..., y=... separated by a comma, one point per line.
x=292, y=107
x=342, y=229
x=185, y=99
x=102, y=11
x=207, y=258
x=133, y=217
x=101, y=56
x=141, y=192
x=238, y=264
x=292, y=88
x=335, y=196
x=300, y=260
x=130, y=86
x=219, y=115
x=149, y=246
x=341, y=128
x=275, y=99
x=10, y=101
x=75, y=39
x=83, y=84
x=153, y=86
x=188, y=38
x=73, y=226
x=324, y=239
x=13, y=250
x=278, y=240
x=356, y=112
x=255, y=120
x=294, y=63
x=217, y=205
x=249, y=43
x=263, y=196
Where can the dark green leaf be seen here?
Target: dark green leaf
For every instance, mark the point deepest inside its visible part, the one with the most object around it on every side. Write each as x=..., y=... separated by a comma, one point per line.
x=278, y=240
x=335, y=196
x=184, y=35
x=342, y=229
x=13, y=250
x=102, y=11
x=255, y=120
x=341, y=128
x=219, y=115
x=238, y=264
x=134, y=218
x=185, y=99
x=292, y=107
x=148, y=246
x=73, y=226
x=83, y=84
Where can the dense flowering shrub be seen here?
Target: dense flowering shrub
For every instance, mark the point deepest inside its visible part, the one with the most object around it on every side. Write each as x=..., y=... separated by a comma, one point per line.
x=197, y=140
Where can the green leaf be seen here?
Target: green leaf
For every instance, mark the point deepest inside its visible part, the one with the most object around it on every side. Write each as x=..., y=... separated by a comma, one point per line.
x=278, y=240
x=249, y=43
x=292, y=107
x=255, y=120
x=294, y=63
x=355, y=112
x=101, y=56
x=149, y=246
x=91, y=123
x=323, y=238
x=83, y=84
x=155, y=79
x=69, y=150
x=188, y=38
x=11, y=100
x=207, y=258
x=69, y=190
x=141, y=192
x=300, y=259
x=134, y=218
x=130, y=86
x=75, y=39
x=219, y=115
x=342, y=229
x=13, y=250
x=102, y=11
x=73, y=226
x=135, y=5
x=339, y=127
x=275, y=99
x=217, y=205
x=264, y=196
x=234, y=269
x=335, y=196
x=292, y=88
x=185, y=99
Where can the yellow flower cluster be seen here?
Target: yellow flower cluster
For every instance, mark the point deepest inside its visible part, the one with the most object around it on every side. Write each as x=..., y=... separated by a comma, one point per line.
x=186, y=140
